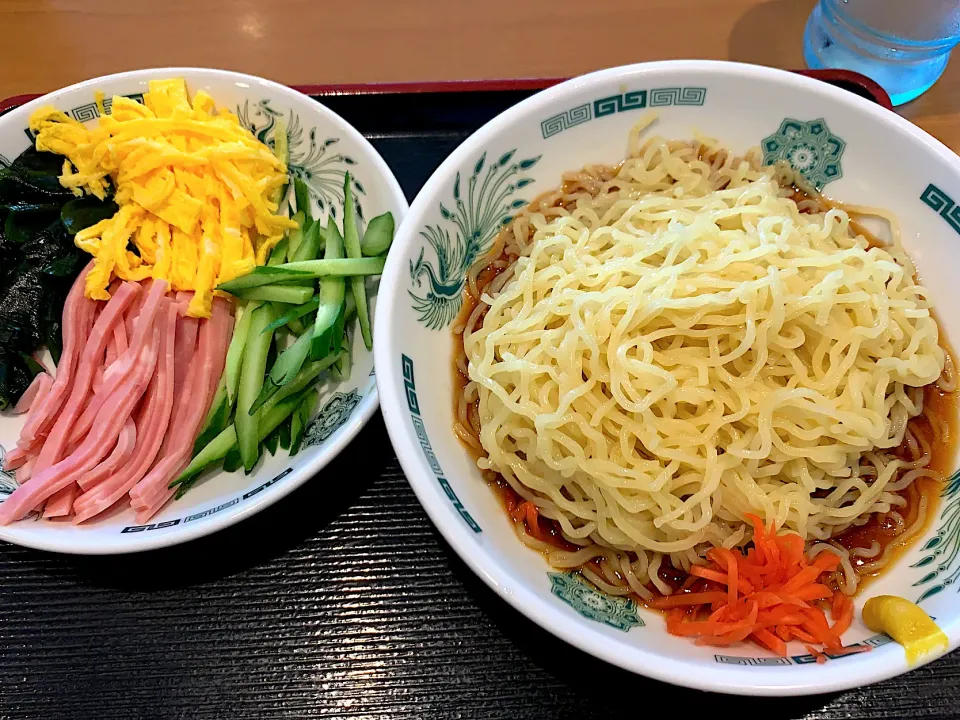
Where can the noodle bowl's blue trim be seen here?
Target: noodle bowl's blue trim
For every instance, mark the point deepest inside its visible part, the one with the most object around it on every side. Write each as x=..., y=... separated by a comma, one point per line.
x=410, y=389
x=617, y=612
x=944, y=547
x=937, y=200
x=633, y=100
x=808, y=147
x=482, y=203
x=874, y=642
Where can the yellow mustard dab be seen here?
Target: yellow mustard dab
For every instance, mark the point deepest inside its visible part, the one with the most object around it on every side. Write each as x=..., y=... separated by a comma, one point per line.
x=196, y=190
x=906, y=623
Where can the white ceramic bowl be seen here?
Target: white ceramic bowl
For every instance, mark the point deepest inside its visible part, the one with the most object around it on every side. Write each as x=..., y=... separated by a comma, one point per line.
x=322, y=147
x=855, y=150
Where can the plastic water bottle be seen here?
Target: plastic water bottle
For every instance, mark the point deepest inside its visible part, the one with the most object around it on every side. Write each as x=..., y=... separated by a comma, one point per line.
x=903, y=45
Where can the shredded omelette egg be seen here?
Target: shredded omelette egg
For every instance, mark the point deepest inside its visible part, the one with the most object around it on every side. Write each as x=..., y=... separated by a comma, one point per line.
x=197, y=192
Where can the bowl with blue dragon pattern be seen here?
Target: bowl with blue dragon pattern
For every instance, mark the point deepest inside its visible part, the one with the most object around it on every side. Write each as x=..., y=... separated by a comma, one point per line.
x=837, y=146
x=322, y=147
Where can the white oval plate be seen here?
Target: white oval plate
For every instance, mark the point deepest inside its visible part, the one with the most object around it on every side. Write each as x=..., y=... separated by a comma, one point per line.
x=322, y=147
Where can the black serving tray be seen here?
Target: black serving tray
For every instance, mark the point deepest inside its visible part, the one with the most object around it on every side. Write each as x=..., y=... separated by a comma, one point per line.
x=342, y=601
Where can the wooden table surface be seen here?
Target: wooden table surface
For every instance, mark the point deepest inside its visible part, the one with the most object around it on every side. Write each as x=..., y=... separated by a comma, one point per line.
x=51, y=43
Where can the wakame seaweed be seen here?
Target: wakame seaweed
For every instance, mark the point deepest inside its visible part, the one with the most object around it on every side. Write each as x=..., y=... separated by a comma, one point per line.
x=38, y=262
x=83, y=212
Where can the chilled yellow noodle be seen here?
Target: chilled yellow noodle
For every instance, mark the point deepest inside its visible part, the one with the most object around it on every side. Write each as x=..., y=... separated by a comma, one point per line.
x=658, y=349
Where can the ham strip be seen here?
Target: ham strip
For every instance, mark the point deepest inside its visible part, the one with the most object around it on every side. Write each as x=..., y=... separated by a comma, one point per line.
x=97, y=383
x=112, y=351
x=34, y=393
x=116, y=346
x=61, y=502
x=184, y=393
x=120, y=338
x=158, y=491
x=123, y=364
x=27, y=458
x=121, y=452
x=184, y=366
x=120, y=416
x=186, y=347
x=214, y=335
x=107, y=374
x=155, y=490
x=131, y=317
x=170, y=449
x=112, y=312
x=224, y=332
x=95, y=446
x=25, y=471
x=153, y=422
x=151, y=502
x=78, y=314
x=148, y=512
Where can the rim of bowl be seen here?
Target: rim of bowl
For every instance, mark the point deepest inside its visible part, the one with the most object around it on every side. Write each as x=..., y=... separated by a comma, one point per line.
x=360, y=417
x=804, y=680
